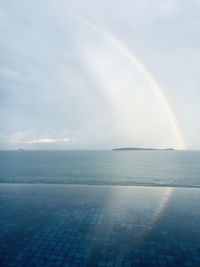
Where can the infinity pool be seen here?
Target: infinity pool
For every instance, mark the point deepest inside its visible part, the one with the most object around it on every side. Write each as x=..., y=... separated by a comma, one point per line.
x=72, y=225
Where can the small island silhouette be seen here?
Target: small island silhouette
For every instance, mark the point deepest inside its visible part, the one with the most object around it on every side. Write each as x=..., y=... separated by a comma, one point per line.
x=142, y=148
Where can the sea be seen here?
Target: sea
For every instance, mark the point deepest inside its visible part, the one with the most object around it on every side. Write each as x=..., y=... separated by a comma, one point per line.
x=101, y=167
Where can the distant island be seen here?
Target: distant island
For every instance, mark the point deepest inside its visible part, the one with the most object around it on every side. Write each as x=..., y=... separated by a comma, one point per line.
x=141, y=148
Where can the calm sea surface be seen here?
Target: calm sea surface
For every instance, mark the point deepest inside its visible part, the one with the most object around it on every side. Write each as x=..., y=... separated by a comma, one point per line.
x=157, y=168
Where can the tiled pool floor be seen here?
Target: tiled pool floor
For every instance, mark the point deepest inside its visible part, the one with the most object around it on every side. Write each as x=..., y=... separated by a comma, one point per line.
x=66, y=225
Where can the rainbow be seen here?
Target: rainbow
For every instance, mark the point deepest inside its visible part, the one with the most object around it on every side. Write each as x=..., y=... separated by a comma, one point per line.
x=181, y=144
x=159, y=92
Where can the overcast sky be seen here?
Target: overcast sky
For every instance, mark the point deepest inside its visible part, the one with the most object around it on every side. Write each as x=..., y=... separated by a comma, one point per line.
x=64, y=83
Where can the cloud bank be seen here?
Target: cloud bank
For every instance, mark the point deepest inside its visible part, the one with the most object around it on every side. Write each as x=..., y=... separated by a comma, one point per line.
x=47, y=141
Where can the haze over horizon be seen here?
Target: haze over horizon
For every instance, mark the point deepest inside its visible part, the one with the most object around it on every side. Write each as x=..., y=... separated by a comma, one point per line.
x=98, y=75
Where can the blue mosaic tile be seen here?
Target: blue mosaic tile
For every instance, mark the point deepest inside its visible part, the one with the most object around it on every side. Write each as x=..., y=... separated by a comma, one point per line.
x=44, y=225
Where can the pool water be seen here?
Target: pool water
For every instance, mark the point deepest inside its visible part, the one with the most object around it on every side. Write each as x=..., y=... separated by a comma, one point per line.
x=80, y=225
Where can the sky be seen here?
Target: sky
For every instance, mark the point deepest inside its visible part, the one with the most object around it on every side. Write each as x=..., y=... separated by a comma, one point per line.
x=99, y=74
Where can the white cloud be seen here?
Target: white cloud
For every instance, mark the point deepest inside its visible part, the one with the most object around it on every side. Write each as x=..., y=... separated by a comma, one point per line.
x=30, y=138
x=47, y=140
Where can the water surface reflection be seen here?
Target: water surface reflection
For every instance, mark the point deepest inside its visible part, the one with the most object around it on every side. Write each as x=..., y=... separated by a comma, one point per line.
x=63, y=225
